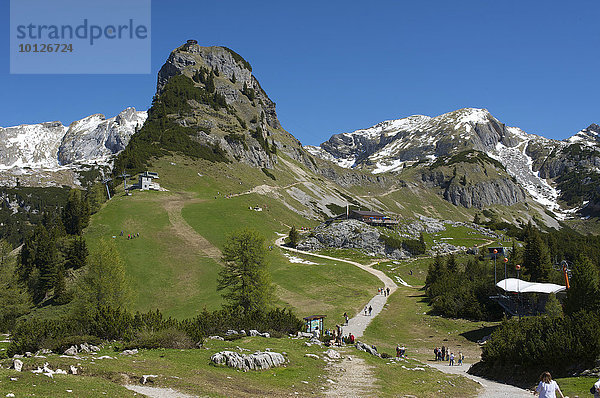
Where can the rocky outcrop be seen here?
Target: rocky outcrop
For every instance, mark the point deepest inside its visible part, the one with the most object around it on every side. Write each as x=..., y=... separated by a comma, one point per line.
x=366, y=348
x=350, y=234
x=257, y=361
x=485, y=193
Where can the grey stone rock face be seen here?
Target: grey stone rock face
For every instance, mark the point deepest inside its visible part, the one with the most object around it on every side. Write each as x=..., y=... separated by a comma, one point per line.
x=257, y=361
x=485, y=193
x=350, y=234
x=367, y=348
x=96, y=137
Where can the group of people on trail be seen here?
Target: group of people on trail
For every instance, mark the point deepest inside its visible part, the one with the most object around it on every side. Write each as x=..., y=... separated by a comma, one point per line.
x=444, y=354
x=384, y=290
x=131, y=236
x=368, y=310
x=400, y=351
x=338, y=337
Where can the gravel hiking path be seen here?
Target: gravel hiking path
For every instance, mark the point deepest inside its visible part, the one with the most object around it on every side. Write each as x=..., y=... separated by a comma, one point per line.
x=157, y=392
x=360, y=321
x=351, y=377
x=181, y=228
x=491, y=389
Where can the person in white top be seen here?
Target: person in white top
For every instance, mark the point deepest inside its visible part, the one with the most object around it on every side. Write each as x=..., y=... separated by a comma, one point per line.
x=547, y=387
x=597, y=389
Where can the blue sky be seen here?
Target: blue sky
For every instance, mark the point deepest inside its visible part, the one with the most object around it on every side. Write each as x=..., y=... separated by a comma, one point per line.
x=337, y=66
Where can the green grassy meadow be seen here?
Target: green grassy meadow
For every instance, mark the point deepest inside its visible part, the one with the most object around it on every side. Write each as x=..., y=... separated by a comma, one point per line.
x=190, y=371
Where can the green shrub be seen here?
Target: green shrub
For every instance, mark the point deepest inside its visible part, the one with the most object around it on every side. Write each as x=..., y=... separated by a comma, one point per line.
x=163, y=338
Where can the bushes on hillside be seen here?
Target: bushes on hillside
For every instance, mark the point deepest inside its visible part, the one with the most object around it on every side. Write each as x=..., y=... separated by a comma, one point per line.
x=144, y=330
x=413, y=246
x=528, y=346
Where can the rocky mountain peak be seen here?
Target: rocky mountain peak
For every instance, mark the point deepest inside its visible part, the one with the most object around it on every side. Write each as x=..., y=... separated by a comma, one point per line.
x=589, y=136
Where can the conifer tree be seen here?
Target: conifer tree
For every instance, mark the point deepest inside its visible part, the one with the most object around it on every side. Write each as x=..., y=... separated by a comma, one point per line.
x=584, y=293
x=210, y=83
x=294, y=237
x=76, y=213
x=536, y=257
x=244, y=278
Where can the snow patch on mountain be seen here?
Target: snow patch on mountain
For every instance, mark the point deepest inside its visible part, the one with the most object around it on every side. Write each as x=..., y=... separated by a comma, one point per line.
x=519, y=165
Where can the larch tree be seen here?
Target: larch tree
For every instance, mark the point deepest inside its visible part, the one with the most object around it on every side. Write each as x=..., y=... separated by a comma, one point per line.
x=244, y=279
x=105, y=282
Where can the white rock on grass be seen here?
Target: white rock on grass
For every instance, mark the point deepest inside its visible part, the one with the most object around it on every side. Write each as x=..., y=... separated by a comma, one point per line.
x=71, y=350
x=148, y=378
x=333, y=354
x=312, y=356
x=130, y=352
x=257, y=361
x=17, y=365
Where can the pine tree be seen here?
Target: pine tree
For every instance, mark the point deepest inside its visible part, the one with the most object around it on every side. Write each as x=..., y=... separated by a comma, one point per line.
x=584, y=293
x=244, y=278
x=45, y=262
x=76, y=213
x=536, y=258
x=210, y=83
x=451, y=264
x=76, y=253
x=294, y=237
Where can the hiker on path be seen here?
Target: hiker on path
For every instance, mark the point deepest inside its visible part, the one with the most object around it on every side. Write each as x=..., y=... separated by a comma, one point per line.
x=596, y=389
x=346, y=317
x=370, y=310
x=388, y=291
x=443, y=353
x=451, y=363
x=366, y=310
x=547, y=387
x=460, y=359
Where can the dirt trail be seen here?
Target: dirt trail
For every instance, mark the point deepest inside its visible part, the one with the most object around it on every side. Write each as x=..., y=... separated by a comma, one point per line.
x=157, y=392
x=352, y=377
x=173, y=206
